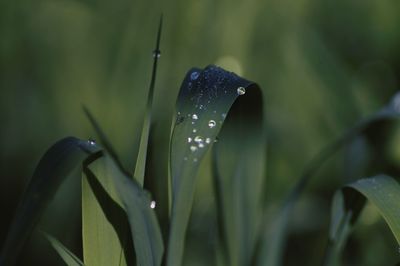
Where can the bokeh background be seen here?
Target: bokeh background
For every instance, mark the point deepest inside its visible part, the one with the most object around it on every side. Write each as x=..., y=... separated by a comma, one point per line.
x=323, y=65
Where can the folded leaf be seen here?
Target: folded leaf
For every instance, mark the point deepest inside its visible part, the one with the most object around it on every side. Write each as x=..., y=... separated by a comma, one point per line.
x=382, y=191
x=204, y=103
x=55, y=165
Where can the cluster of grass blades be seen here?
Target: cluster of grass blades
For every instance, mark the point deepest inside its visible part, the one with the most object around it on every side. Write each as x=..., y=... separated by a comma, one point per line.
x=216, y=111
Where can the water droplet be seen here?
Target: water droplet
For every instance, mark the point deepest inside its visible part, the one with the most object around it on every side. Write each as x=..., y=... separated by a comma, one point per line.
x=194, y=75
x=152, y=204
x=211, y=123
x=194, y=130
x=201, y=145
x=195, y=117
x=241, y=90
x=156, y=53
x=92, y=142
x=193, y=148
x=208, y=140
x=198, y=139
x=189, y=139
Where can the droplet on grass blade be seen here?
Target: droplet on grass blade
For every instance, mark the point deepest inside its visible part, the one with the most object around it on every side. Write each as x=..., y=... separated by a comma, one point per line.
x=194, y=75
x=193, y=148
x=156, y=53
x=211, y=123
x=208, y=93
x=241, y=91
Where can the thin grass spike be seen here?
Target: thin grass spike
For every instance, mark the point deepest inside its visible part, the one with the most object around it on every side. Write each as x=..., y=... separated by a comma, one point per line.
x=144, y=138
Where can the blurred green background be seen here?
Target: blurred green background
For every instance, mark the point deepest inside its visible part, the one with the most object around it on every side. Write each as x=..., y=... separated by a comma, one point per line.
x=322, y=64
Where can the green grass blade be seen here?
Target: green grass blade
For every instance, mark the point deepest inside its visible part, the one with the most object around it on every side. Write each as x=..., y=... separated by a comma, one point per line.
x=68, y=257
x=205, y=99
x=144, y=138
x=136, y=202
x=382, y=191
x=239, y=159
x=103, y=137
x=104, y=223
x=274, y=239
x=55, y=165
x=339, y=229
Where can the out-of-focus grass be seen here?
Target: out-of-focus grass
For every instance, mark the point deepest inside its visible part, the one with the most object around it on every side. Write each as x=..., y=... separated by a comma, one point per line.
x=322, y=64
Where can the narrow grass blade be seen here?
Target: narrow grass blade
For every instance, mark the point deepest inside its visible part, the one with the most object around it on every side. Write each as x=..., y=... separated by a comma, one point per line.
x=136, y=202
x=55, y=165
x=339, y=229
x=382, y=191
x=274, y=238
x=104, y=222
x=68, y=257
x=144, y=138
x=103, y=137
x=205, y=99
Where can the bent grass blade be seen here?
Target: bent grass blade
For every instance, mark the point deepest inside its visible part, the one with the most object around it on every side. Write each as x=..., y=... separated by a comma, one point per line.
x=54, y=167
x=204, y=103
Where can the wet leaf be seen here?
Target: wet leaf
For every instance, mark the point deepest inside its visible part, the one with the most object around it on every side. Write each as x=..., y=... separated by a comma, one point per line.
x=203, y=106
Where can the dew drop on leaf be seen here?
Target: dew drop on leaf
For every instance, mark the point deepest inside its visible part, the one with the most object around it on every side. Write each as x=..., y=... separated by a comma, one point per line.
x=241, y=90
x=152, y=204
x=193, y=148
x=211, y=123
x=194, y=75
x=156, y=53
